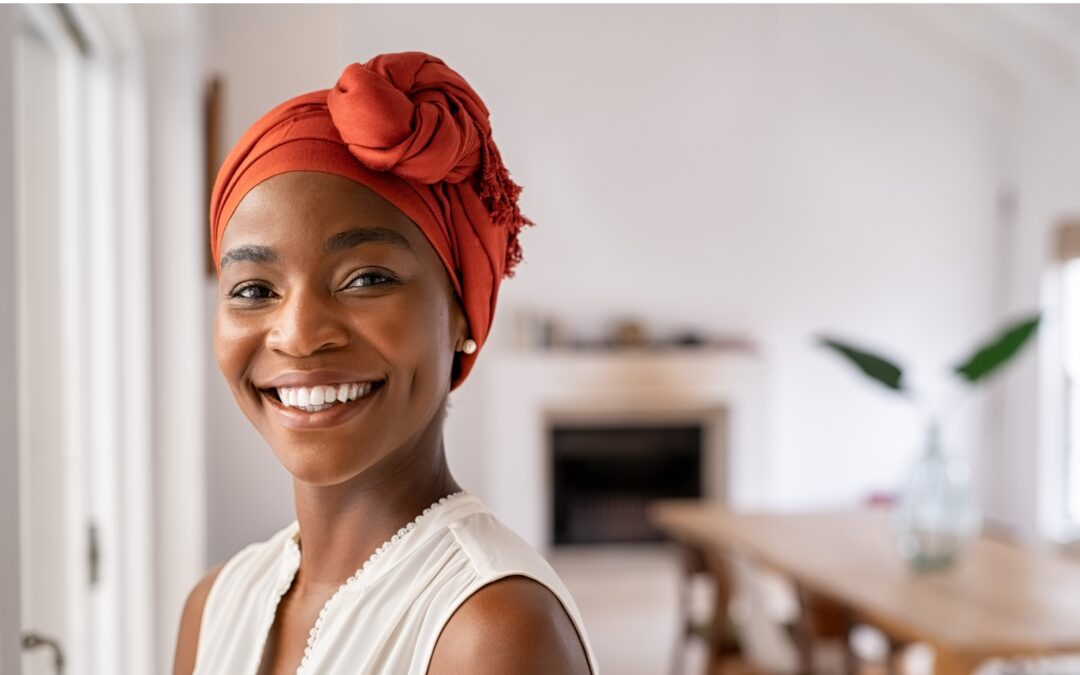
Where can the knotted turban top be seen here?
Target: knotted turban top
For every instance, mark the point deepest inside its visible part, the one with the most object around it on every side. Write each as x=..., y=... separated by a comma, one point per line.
x=412, y=129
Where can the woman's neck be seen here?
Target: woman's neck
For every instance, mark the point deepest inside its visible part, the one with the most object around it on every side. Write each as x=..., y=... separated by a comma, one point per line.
x=342, y=525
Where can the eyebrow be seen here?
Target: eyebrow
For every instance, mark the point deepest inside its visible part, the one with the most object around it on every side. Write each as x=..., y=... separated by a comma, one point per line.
x=350, y=238
x=248, y=254
x=338, y=242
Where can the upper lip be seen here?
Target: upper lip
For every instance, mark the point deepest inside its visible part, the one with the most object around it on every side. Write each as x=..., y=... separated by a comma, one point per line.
x=312, y=378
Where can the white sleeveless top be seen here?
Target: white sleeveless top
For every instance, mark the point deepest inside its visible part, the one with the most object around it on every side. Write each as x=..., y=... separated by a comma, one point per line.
x=385, y=619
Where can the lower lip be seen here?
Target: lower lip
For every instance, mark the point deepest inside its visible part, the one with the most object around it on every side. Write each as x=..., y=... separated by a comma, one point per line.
x=339, y=414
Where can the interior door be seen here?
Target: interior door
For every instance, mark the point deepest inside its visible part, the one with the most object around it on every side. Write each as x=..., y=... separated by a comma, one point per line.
x=83, y=320
x=54, y=532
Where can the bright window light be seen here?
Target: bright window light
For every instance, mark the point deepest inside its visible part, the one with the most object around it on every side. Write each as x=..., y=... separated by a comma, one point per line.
x=1071, y=342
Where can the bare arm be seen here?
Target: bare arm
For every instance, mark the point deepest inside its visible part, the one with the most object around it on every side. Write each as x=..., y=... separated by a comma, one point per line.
x=514, y=626
x=190, y=621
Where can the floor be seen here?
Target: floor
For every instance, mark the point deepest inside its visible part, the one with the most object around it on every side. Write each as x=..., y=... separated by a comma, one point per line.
x=627, y=597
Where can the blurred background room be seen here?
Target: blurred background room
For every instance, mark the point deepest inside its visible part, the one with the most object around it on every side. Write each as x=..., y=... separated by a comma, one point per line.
x=715, y=188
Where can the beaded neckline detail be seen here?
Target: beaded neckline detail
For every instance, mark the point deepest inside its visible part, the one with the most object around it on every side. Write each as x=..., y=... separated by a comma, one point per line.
x=389, y=543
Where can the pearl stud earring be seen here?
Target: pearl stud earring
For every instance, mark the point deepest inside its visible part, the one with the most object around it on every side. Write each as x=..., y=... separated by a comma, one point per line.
x=469, y=346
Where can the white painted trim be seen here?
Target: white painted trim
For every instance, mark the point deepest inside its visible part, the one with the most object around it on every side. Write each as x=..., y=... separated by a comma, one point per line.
x=105, y=364
x=121, y=324
x=10, y=576
x=137, y=330
x=171, y=38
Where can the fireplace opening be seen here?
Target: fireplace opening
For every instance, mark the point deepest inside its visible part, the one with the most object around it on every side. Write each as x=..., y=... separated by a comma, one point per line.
x=604, y=477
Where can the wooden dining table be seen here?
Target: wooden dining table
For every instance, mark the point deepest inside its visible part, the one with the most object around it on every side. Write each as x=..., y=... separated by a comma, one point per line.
x=1000, y=599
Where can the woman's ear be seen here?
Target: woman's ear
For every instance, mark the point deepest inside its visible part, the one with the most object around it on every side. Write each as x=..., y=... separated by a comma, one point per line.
x=459, y=332
x=459, y=324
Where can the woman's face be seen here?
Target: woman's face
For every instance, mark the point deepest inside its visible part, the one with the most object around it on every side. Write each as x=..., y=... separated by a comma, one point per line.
x=336, y=325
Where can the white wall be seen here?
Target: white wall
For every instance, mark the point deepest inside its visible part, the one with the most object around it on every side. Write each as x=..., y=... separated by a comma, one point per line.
x=774, y=171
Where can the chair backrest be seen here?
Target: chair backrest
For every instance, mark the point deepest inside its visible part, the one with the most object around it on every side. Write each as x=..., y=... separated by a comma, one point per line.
x=764, y=606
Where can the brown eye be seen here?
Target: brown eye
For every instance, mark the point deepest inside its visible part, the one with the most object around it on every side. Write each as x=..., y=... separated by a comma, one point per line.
x=369, y=279
x=251, y=291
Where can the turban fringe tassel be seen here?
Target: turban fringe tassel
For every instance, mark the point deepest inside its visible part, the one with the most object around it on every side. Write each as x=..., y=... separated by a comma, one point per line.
x=500, y=194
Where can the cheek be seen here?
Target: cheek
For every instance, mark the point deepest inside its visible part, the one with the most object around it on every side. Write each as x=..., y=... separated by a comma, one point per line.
x=416, y=334
x=234, y=343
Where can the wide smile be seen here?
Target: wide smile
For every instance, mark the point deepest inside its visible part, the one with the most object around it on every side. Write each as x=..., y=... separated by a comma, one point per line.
x=321, y=406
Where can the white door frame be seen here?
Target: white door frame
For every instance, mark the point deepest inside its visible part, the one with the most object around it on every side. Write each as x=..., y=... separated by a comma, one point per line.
x=120, y=407
x=10, y=596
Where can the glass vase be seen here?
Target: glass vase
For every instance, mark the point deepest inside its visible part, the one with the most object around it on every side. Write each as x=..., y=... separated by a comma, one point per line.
x=937, y=513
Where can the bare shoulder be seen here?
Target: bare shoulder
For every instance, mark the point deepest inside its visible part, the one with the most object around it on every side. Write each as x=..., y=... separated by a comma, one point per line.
x=190, y=621
x=513, y=626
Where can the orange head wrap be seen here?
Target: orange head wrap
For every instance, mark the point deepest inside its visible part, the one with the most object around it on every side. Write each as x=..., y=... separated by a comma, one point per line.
x=414, y=131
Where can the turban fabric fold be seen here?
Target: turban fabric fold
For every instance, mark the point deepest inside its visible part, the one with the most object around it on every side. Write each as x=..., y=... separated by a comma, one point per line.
x=410, y=128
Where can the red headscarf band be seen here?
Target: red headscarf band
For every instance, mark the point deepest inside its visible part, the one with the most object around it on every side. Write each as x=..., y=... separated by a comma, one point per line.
x=414, y=131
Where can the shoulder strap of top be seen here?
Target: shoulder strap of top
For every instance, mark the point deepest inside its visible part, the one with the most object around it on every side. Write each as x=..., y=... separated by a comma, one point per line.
x=235, y=608
x=498, y=552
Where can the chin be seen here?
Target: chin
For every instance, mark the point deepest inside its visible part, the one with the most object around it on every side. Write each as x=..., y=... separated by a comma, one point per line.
x=320, y=464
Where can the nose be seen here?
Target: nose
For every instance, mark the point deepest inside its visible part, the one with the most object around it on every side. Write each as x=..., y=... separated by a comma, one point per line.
x=307, y=322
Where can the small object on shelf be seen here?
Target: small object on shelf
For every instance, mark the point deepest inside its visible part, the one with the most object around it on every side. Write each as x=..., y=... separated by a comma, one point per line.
x=550, y=334
x=628, y=333
x=688, y=338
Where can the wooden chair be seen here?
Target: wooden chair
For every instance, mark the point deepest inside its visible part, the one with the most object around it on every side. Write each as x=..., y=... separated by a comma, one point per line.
x=821, y=620
x=800, y=619
x=815, y=621
x=715, y=631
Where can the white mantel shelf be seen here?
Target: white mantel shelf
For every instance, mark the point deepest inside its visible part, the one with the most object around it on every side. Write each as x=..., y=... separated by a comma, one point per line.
x=726, y=389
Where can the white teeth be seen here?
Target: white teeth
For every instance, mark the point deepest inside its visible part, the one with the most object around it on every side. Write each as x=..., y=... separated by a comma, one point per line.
x=321, y=397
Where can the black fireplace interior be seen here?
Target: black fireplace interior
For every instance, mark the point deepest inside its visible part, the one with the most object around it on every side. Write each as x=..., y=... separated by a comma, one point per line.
x=605, y=476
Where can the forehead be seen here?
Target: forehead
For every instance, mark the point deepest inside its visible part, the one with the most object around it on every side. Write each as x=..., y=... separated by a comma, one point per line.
x=301, y=207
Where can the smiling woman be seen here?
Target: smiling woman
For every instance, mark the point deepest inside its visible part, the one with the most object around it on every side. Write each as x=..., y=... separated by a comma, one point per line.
x=361, y=234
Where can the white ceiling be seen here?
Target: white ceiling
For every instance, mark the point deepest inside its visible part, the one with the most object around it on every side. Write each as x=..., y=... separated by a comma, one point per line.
x=1027, y=45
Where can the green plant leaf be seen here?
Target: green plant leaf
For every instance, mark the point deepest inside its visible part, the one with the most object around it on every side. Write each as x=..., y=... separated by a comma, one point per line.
x=995, y=353
x=876, y=367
